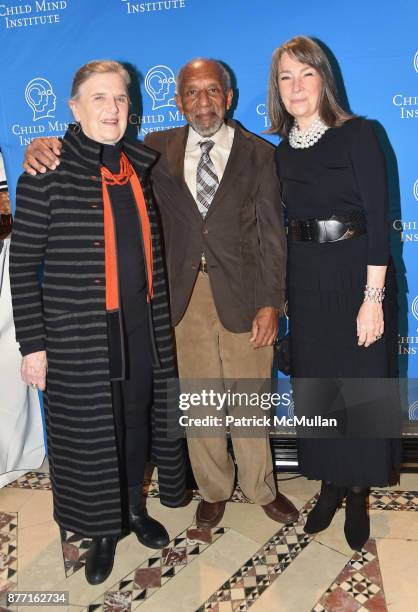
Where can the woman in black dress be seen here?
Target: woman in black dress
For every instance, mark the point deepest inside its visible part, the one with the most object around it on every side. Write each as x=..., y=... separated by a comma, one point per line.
x=341, y=288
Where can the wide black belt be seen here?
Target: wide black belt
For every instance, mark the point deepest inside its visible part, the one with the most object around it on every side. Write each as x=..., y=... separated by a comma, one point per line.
x=333, y=229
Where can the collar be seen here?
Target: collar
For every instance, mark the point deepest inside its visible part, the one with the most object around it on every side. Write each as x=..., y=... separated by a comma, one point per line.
x=110, y=156
x=219, y=138
x=88, y=153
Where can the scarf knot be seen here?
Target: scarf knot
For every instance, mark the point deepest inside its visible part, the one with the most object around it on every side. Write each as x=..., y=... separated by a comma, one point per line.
x=125, y=175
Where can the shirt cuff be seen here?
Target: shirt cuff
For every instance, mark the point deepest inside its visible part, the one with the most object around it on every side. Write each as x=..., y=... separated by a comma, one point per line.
x=276, y=301
x=31, y=347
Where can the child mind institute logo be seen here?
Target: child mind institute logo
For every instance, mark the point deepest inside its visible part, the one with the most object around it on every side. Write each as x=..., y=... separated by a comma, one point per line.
x=42, y=102
x=416, y=189
x=32, y=14
x=162, y=113
x=416, y=61
x=408, y=345
x=40, y=96
x=160, y=85
x=140, y=8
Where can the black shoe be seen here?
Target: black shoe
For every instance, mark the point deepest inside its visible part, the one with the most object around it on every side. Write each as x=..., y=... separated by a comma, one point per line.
x=99, y=559
x=149, y=532
x=320, y=517
x=357, y=520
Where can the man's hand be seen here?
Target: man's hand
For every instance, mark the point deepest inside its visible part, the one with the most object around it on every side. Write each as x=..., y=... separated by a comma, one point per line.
x=265, y=326
x=370, y=323
x=41, y=154
x=33, y=370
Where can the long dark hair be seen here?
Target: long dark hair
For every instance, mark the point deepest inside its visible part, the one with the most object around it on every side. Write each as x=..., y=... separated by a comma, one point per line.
x=306, y=51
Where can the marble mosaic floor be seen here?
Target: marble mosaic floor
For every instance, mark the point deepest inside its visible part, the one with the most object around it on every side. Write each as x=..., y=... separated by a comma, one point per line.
x=248, y=561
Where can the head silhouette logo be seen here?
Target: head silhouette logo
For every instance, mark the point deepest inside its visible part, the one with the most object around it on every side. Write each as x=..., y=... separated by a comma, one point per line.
x=41, y=98
x=416, y=61
x=413, y=411
x=414, y=307
x=160, y=86
x=416, y=189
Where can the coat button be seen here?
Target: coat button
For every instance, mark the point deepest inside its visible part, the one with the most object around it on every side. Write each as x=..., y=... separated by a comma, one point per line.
x=205, y=231
x=94, y=206
x=96, y=243
x=97, y=281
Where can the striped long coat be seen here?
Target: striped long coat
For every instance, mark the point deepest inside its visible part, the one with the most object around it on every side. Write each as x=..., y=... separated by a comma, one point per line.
x=59, y=226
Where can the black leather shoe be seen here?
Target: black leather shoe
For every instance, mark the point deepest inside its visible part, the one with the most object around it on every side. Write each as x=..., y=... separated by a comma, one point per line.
x=149, y=532
x=357, y=520
x=320, y=517
x=99, y=559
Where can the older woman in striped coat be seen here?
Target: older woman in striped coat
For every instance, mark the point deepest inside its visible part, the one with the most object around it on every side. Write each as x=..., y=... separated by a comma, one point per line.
x=95, y=332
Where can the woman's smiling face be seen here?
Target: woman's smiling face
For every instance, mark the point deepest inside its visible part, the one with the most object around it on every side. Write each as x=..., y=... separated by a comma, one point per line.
x=101, y=107
x=300, y=87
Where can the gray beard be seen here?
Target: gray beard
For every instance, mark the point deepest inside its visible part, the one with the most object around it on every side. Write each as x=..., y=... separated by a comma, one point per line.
x=208, y=131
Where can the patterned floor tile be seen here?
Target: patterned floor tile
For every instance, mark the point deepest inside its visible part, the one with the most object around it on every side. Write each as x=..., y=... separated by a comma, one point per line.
x=359, y=586
x=8, y=551
x=156, y=571
x=32, y=480
x=247, y=585
x=74, y=546
x=74, y=551
x=394, y=500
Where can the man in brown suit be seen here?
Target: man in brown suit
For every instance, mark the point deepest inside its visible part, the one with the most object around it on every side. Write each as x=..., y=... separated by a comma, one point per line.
x=218, y=195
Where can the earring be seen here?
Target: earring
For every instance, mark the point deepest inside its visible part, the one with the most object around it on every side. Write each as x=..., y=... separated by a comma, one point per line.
x=77, y=128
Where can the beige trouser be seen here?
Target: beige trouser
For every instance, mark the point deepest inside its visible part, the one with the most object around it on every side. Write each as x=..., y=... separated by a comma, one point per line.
x=205, y=349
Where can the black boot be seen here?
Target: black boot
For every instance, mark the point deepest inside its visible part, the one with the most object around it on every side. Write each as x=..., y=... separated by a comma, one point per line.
x=320, y=517
x=149, y=532
x=99, y=559
x=357, y=520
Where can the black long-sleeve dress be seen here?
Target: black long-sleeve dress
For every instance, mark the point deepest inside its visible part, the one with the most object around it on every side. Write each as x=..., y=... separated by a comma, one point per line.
x=343, y=172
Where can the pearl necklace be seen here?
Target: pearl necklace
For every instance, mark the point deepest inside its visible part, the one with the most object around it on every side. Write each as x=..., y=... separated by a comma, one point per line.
x=307, y=138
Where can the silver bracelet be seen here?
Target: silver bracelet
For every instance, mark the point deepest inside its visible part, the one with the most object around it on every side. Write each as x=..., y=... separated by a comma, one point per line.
x=374, y=294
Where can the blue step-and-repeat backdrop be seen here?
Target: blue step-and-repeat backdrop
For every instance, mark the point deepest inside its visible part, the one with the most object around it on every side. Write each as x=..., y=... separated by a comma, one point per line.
x=374, y=44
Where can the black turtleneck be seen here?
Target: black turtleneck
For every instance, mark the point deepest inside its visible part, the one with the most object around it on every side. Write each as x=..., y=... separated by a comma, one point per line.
x=130, y=253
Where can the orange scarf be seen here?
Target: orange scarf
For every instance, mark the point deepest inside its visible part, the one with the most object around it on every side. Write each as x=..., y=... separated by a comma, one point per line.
x=126, y=174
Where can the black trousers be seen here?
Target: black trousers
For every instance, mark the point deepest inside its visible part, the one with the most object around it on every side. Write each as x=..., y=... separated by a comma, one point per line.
x=132, y=400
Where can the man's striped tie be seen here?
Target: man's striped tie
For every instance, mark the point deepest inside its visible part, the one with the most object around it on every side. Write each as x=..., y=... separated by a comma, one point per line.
x=206, y=179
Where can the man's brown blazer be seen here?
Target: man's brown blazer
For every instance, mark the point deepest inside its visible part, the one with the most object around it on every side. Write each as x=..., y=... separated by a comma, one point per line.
x=242, y=235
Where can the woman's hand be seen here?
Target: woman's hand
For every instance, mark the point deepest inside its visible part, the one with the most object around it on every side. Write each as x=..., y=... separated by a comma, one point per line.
x=34, y=368
x=370, y=323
